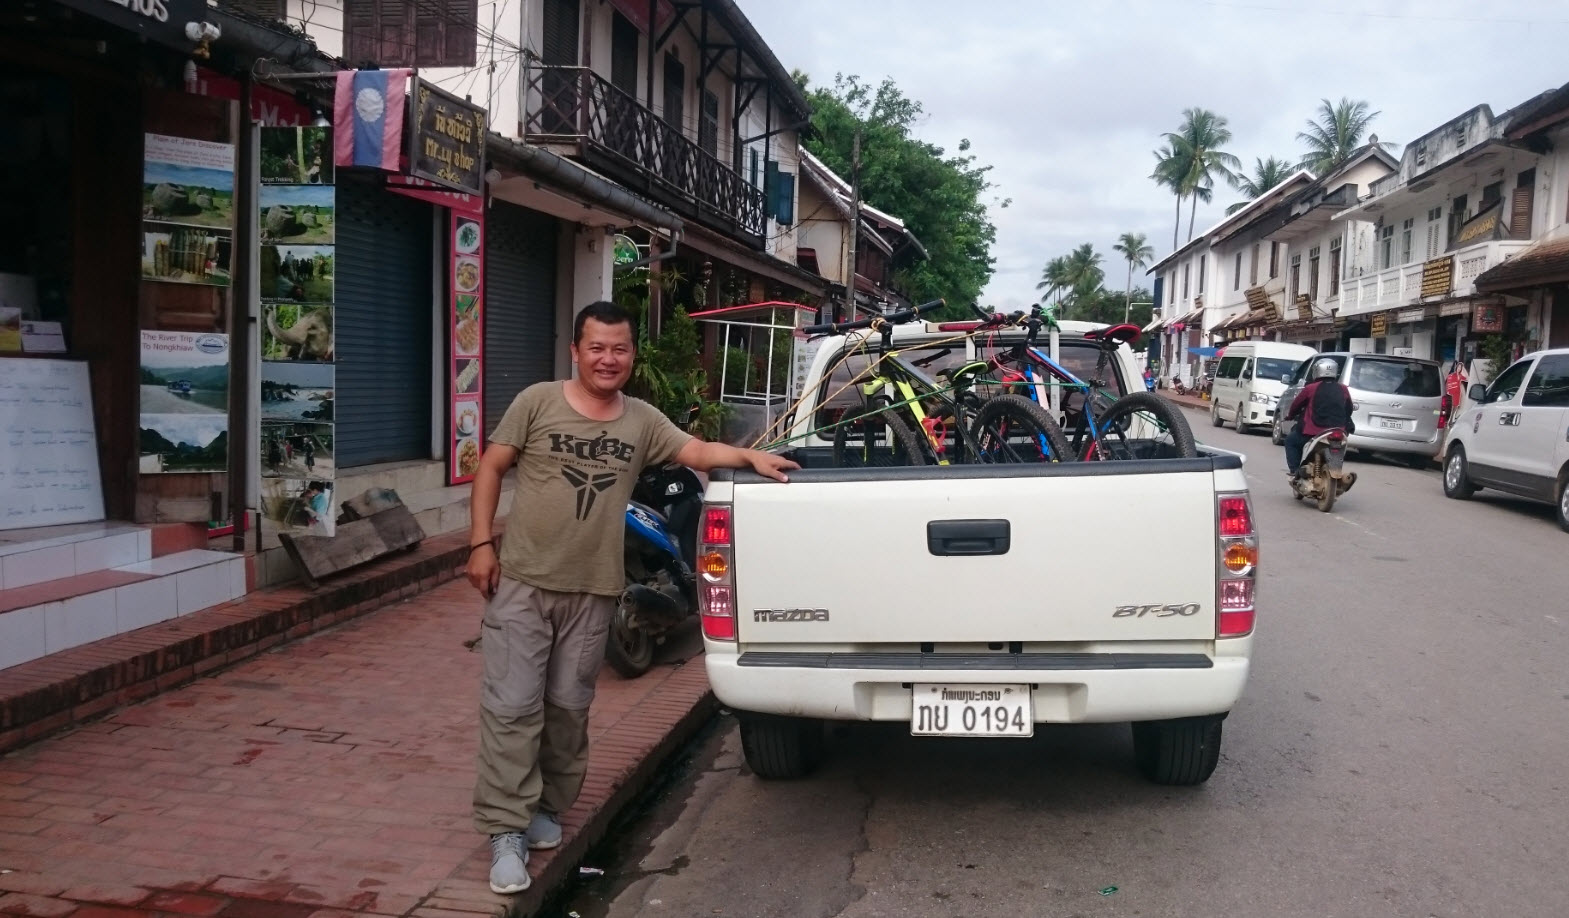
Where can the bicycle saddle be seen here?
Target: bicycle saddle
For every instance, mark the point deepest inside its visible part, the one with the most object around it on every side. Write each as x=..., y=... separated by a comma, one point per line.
x=1121, y=334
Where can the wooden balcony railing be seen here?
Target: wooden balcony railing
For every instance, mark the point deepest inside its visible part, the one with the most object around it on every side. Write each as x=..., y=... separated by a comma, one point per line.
x=616, y=133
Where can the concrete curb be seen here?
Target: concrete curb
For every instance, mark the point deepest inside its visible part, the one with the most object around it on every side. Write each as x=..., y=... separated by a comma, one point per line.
x=556, y=876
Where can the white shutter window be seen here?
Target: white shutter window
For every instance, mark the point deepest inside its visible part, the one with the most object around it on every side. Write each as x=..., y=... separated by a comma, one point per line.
x=1432, y=240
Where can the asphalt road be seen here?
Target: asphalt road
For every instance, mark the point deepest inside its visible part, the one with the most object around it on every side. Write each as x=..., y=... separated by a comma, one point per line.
x=1401, y=750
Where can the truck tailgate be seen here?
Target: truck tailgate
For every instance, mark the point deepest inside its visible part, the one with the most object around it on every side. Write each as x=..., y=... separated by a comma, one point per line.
x=1053, y=553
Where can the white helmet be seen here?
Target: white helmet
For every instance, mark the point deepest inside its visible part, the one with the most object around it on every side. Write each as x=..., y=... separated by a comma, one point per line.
x=1324, y=368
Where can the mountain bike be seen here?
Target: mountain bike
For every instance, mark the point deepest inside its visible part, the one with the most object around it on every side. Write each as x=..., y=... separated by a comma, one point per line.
x=908, y=417
x=1103, y=426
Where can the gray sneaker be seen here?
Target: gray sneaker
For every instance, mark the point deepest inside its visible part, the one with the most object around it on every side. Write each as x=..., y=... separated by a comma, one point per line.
x=508, y=863
x=544, y=831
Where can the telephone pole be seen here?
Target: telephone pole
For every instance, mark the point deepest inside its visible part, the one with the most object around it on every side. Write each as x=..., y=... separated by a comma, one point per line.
x=855, y=223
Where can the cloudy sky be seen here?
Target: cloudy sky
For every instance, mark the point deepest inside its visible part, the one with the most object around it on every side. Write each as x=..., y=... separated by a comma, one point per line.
x=1068, y=99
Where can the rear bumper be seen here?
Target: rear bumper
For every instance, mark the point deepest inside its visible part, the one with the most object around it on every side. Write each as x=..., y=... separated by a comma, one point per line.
x=858, y=687
x=1375, y=444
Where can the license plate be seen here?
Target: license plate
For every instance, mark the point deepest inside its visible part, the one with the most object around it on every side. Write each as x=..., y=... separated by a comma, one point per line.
x=1391, y=424
x=972, y=710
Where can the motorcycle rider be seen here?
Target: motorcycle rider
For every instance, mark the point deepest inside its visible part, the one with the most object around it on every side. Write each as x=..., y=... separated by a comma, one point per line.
x=1323, y=404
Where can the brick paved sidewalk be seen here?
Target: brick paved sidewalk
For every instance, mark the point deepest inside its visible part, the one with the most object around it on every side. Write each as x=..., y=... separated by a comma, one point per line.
x=327, y=777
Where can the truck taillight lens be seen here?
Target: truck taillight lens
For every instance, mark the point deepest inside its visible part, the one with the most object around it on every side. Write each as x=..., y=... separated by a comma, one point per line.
x=716, y=527
x=1237, y=568
x=716, y=578
x=1236, y=517
x=1446, y=407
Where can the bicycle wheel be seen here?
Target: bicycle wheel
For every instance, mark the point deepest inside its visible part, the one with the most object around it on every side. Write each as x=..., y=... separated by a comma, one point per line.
x=1011, y=428
x=881, y=438
x=1142, y=425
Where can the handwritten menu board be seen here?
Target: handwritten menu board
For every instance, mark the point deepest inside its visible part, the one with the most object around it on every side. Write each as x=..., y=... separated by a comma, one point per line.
x=48, y=445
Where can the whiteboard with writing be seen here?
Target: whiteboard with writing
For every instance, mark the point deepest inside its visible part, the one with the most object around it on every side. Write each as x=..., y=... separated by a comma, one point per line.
x=48, y=445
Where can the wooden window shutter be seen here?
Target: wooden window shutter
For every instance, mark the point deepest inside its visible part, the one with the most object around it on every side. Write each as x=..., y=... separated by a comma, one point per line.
x=1520, y=214
x=784, y=208
x=445, y=33
x=361, y=31
x=395, y=33
x=708, y=124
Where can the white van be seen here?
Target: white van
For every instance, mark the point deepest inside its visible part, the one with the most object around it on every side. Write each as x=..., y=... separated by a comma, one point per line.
x=1249, y=381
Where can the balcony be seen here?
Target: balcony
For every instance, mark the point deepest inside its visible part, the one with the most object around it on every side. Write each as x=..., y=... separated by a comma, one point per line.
x=1401, y=286
x=610, y=131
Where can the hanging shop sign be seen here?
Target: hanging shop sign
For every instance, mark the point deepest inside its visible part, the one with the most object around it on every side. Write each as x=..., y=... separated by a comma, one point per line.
x=297, y=395
x=466, y=320
x=1488, y=318
x=1486, y=225
x=1457, y=308
x=1304, y=307
x=162, y=21
x=1380, y=325
x=1438, y=276
x=446, y=142
x=1411, y=315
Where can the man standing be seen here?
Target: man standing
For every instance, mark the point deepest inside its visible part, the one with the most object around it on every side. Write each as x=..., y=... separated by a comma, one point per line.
x=1324, y=404
x=579, y=446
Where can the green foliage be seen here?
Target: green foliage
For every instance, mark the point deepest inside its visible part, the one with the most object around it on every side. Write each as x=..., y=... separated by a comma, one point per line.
x=1335, y=134
x=668, y=373
x=1496, y=350
x=941, y=198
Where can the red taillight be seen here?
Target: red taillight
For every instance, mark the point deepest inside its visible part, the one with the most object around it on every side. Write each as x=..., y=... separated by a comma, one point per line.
x=716, y=578
x=1235, y=517
x=1446, y=406
x=958, y=326
x=1234, y=608
x=716, y=526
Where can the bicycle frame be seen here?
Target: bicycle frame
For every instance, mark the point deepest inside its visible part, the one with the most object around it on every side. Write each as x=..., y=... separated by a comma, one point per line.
x=901, y=383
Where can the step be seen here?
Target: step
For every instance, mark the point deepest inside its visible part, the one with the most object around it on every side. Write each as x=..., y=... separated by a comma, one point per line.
x=29, y=556
x=45, y=618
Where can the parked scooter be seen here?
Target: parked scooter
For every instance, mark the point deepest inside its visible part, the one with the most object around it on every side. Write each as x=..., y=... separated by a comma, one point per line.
x=1322, y=476
x=661, y=551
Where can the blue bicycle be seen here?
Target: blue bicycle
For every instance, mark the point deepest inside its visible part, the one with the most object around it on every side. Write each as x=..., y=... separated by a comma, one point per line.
x=1140, y=425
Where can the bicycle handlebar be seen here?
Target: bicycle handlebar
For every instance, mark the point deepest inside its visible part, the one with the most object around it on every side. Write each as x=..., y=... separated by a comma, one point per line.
x=895, y=318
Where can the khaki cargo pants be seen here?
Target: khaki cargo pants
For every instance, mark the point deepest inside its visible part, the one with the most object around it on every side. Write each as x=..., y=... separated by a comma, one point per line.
x=542, y=653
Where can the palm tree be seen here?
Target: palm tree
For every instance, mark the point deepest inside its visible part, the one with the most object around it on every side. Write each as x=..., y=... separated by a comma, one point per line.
x=1054, y=278
x=1267, y=173
x=1084, y=272
x=1197, y=145
x=1335, y=135
x=1169, y=169
x=1137, y=251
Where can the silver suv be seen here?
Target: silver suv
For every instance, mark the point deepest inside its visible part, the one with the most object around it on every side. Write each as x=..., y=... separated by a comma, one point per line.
x=1395, y=404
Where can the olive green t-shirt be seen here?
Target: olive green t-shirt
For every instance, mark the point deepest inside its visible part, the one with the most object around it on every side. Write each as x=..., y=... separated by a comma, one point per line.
x=575, y=474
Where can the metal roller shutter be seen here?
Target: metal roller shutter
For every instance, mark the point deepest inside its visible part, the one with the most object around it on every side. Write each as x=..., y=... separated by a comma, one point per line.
x=383, y=325
x=520, y=305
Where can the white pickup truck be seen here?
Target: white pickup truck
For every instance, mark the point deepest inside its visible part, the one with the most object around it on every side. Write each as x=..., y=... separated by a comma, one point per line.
x=979, y=600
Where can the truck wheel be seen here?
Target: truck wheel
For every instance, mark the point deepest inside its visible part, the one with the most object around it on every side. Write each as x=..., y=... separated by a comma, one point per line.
x=1178, y=752
x=1457, y=478
x=1214, y=415
x=781, y=747
x=628, y=650
x=1563, y=501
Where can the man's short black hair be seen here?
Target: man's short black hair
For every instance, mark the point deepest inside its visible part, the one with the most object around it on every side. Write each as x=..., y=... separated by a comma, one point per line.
x=605, y=313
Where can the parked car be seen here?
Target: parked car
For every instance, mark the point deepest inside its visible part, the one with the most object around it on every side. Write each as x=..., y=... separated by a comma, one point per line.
x=1248, y=382
x=1397, y=404
x=1513, y=438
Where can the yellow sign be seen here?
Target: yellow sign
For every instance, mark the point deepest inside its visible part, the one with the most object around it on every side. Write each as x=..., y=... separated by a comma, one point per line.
x=1478, y=229
x=1380, y=325
x=446, y=139
x=1438, y=276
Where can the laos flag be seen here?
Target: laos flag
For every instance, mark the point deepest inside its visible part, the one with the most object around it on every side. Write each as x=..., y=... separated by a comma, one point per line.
x=368, y=118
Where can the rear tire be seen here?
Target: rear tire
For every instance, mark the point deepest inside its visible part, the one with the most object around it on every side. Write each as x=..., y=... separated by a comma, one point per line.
x=1168, y=416
x=1457, y=476
x=1241, y=428
x=1005, y=420
x=1179, y=752
x=1563, y=500
x=884, y=439
x=778, y=748
x=1214, y=415
x=628, y=650
x=1326, y=500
